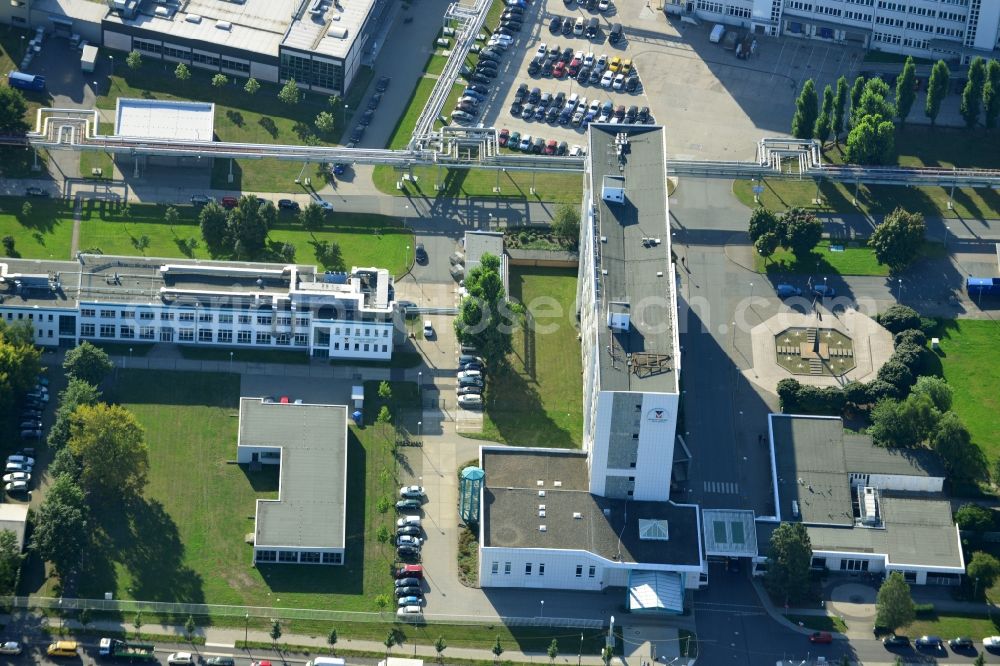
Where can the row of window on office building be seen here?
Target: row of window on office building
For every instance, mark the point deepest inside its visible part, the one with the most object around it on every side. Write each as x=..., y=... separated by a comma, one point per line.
x=529, y=567
x=303, y=557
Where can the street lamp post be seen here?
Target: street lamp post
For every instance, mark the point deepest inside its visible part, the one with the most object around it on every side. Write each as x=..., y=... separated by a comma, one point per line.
x=419, y=427
x=230, y=362
x=947, y=232
x=899, y=289
x=579, y=655
x=751, y=291
x=246, y=630
x=543, y=607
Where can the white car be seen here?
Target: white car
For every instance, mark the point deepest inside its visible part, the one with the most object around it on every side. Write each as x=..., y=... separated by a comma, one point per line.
x=16, y=476
x=604, y=5
x=21, y=459
x=428, y=330
x=17, y=467
x=471, y=401
x=16, y=487
x=542, y=50
x=595, y=106
x=602, y=61
x=607, y=79
x=324, y=204
x=407, y=540
x=991, y=642
x=180, y=659
x=588, y=59
x=619, y=82
x=408, y=520
x=409, y=611
x=408, y=492
x=470, y=373
x=576, y=151
x=10, y=647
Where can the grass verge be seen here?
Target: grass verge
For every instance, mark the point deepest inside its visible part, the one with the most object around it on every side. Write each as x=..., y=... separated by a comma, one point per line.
x=286, y=356
x=856, y=258
x=468, y=556
x=538, y=401
x=819, y=622
x=951, y=625
x=479, y=183
x=45, y=233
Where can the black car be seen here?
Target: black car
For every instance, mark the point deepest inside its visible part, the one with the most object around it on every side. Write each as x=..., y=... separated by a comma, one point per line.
x=631, y=114
x=560, y=100
x=567, y=54
x=36, y=192
x=962, y=644
x=535, y=95
x=357, y=134
x=366, y=117
x=930, y=643
x=501, y=30
x=564, y=116
x=485, y=63
x=408, y=530
x=528, y=112
x=408, y=581
x=288, y=204
x=583, y=75
x=421, y=254
x=893, y=641
x=511, y=25
x=470, y=390
x=514, y=9
x=383, y=84
x=477, y=78
x=567, y=28
x=521, y=92
x=482, y=90
x=643, y=116
x=220, y=661
x=489, y=56
x=552, y=115
x=562, y=148
x=516, y=108
x=632, y=84
x=409, y=590
x=375, y=100
x=555, y=25
x=407, y=553
x=534, y=68
x=591, y=5
x=485, y=74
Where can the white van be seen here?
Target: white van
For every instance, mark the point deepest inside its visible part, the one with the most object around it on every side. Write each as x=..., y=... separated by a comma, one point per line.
x=579, y=26
x=326, y=661
x=408, y=520
x=717, y=32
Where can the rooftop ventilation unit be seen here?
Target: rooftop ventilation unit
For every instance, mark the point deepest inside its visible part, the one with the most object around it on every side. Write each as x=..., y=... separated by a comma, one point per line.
x=868, y=504
x=539, y=483
x=541, y=528
x=541, y=507
x=795, y=509
x=613, y=189
x=224, y=25
x=541, y=513
x=557, y=484
x=337, y=32
x=193, y=18
x=577, y=515
x=541, y=493
x=618, y=321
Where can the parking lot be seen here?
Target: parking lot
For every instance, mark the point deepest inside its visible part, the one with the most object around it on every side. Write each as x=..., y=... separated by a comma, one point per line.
x=715, y=105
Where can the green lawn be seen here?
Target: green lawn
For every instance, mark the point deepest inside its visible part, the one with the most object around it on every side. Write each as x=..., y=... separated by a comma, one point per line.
x=540, y=401
x=949, y=626
x=185, y=540
x=364, y=239
x=970, y=361
x=46, y=234
x=400, y=136
x=479, y=183
x=855, y=259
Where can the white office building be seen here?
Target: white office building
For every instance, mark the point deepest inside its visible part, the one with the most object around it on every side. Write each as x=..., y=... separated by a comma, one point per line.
x=207, y=303
x=950, y=29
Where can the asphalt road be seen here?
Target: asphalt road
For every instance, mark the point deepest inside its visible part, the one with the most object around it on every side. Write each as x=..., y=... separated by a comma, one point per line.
x=34, y=653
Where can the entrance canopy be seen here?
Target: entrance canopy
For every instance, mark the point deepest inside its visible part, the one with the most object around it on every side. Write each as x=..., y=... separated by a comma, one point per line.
x=656, y=591
x=729, y=533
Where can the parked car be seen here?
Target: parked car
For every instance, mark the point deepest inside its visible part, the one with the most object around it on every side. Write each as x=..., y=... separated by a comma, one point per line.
x=412, y=600
x=383, y=84
x=892, y=641
x=466, y=359
x=469, y=390
x=402, y=522
x=16, y=476
x=180, y=659
x=199, y=199
x=961, y=644
x=408, y=552
x=823, y=291
x=408, y=530
x=821, y=637
x=470, y=401
x=420, y=253
x=409, y=611
x=288, y=204
x=631, y=84
x=607, y=79
x=408, y=505
x=786, y=290
x=21, y=459
x=17, y=467
x=555, y=25
x=229, y=202
x=409, y=591
x=16, y=487
x=932, y=643
x=991, y=643
x=36, y=192
x=10, y=647
x=411, y=570
x=409, y=540
x=411, y=492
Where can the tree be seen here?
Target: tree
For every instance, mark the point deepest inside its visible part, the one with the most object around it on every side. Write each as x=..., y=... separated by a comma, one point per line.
x=77, y=392
x=874, y=101
x=906, y=92
x=984, y=569
x=991, y=95
x=381, y=602
x=975, y=518
x=912, y=337
x=275, y=632
x=384, y=534
x=486, y=319
x=88, y=363
x=252, y=86
x=26, y=210
x=898, y=375
x=825, y=119
x=788, y=561
x=110, y=445
x=962, y=459
x=141, y=243
x=390, y=640
x=566, y=225
x=249, y=224
x=897, y=318
x=10, y=561
x=137, y=623
x=767, y=244
x=937, y=88
x=980, y=660
x=857, y=89
x=972, y=94
x=331, y=640
x=497, y=650
x=61, y=534
x=384, y=415
x=606, y=654
x=182, y=72
x=84, y=618
x=806, y=112
x=133, y=60
x=214, y=226
x=803, y=231
x=189, y=627
x=763, y=221
x=898, y=240
x=839, y=109
x=325, y=122
x=8, y=244
x=553, y=651
x=219, y=80
x=440, y=646
x=384, y=390
x=170, y=216
x=872, y=140
x=893, y=604
x=289, y=93
x=13, y=106
x=936, y=389
x=312, y=216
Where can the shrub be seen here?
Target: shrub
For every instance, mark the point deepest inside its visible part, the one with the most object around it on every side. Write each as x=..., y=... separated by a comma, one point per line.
x=975, y=518
x=898, y=318
x=898, y=375
x=911, y=336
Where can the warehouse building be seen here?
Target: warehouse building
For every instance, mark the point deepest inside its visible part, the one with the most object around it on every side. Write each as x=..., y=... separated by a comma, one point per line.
x=172, y=120
x=306, y=524
x=206, y=303
x=866, y=508
x=319, y=43
x=950, y=29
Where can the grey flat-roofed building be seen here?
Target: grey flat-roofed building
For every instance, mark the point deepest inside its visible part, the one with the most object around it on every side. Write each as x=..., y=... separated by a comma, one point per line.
x=866, y=508
x=306, y=524
x=628, y=314
x=729, y=533
x=537, y=510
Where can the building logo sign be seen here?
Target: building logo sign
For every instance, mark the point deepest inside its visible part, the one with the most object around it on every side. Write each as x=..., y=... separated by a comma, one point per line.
x=657, y=415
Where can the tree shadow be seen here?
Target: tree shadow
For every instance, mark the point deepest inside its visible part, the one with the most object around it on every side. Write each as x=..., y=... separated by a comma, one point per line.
x=236, y=118
x=269, y=126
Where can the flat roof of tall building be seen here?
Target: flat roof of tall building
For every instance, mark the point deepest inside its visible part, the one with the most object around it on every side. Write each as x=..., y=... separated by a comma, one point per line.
x=327, y=27
x=574, y=519
x=635, y=279
x=97, y=278
x=312, y=495
x=164, y=119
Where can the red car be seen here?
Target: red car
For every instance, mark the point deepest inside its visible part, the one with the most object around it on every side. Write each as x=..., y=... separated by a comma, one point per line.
x=574, y=66
x=504, y=137
x=229, y=202
x=820, y=637
x=284, y=400
x=559, y=70
x=410, y=571
x=550, y=147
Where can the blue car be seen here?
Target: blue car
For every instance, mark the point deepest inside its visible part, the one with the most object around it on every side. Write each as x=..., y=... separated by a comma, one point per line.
x=469, y=92
x=410, y=601
x=339, y=168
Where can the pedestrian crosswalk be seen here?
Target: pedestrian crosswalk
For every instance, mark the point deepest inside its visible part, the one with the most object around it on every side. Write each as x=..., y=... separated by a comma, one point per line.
x=722, y=487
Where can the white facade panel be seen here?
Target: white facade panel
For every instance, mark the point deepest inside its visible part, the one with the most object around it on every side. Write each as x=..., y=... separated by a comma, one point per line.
x=656, y=447
x=599, y=450
x=989, y=23
x=926, y=484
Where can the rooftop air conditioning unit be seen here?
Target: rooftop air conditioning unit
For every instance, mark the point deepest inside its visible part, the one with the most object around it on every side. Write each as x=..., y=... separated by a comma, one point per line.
x=193, y=18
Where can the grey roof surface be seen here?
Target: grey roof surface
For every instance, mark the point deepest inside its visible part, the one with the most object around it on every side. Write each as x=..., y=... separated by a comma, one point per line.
x=114, y=279
x=729, y=532
x=811, y=471
x=331, y=30
x=511, y=507
x=631, y=266
x=860, y=455
x=477, y=243
x=312, y=496
x=917, y=531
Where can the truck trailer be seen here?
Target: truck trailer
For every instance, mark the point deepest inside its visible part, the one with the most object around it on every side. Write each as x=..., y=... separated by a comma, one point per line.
x=982, y=286
x=115, y=648
x=24, y=81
